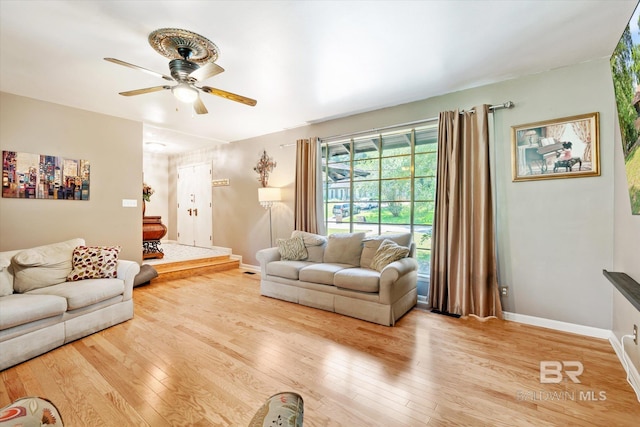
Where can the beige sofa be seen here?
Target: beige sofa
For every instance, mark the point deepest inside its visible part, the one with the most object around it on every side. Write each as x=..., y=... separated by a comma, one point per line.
x=40, y=310
x=338, y=274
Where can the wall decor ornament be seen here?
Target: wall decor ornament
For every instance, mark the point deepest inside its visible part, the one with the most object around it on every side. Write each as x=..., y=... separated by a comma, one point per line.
x=42, y=176
x=264, y=167
x=568, y=147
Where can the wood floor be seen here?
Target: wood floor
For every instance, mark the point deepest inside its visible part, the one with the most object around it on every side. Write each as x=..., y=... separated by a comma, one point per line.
x=208, y=350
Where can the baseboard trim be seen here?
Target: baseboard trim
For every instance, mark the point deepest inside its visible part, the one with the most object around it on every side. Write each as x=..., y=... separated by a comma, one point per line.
x=250, y=267
x=631, y=371
x=557, y=325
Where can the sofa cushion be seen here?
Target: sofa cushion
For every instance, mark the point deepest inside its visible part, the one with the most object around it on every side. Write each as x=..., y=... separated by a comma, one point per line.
x=344, y=248
x=94, y=262
x=6, y=280
x=286, y=269
x=314, y=243
x=372, y=243
x=292, y=249
x=358, y=279
x=19, y=309
x=388, y=252
x=43, y=265
x=84, y=293
x=321, y=273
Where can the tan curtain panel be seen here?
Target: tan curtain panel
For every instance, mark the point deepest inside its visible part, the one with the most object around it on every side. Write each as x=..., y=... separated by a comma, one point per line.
x=463, y=264
x=306, y=206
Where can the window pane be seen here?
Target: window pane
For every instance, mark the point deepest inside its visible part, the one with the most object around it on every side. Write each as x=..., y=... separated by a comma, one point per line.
x=396, y=190
x=396, y=167
x=423, y=213
x=366, y=192
x=338, y=191
x=426, y=164
x=366, y=147
x=339, y=152
x=425, y=189
x=422, y=235
x=396, y=144
x=370, y=215
x=424, y=262
x=427, y=139
x=396, y=213
x=365, y=169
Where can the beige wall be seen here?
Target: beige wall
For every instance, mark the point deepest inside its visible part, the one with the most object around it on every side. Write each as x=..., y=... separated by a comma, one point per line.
x=554, y=236
x=626, y=254
x=239, y=222
x=114, y=148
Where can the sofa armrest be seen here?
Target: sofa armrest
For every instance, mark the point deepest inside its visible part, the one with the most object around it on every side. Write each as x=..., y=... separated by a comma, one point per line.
x=399, y=274
x=398, y=268
x=265, y=256
x=126, y=271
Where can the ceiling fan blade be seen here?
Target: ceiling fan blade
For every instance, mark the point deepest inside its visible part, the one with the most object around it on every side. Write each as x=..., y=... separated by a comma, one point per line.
x=145, y=90
x=135, y=67
x=199, y=107
x=206, y=71
x=229, y=95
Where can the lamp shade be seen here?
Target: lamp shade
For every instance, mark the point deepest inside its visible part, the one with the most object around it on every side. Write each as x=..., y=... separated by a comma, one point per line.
x=269, y=194
x=185, y=93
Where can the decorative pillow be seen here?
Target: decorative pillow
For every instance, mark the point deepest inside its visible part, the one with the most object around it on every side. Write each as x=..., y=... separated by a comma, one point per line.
x=314, y=243
x=43, y=266
x=388, y=252
x=94, y=262
x=292, y=249
x=31, y=411
x=371, y=245
x=310, y=239
x=344, y=248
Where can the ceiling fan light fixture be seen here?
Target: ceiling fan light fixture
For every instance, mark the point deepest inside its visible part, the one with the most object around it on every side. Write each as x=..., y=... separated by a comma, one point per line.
x=185, y=93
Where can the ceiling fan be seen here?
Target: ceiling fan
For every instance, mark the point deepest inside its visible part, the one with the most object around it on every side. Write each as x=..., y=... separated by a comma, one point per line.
x=192, y=61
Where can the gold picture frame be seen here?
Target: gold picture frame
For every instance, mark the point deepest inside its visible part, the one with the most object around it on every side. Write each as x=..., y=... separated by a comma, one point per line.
x=561, y=148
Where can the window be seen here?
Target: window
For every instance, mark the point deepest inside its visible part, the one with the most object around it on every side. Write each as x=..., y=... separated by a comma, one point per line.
x=384, y=183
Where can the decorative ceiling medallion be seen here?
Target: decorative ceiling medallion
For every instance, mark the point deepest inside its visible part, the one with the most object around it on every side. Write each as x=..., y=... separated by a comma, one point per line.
x=173, y=42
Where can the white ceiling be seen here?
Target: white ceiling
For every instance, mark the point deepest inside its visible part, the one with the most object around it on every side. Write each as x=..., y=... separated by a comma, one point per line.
x=304, y=61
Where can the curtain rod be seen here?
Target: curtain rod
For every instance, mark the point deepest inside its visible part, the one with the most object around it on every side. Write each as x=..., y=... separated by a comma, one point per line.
x=508, y=104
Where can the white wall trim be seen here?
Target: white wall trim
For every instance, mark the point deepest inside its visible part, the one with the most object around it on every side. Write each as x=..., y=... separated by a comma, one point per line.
x=248, y=267
x=631, y=371
x=557, y=325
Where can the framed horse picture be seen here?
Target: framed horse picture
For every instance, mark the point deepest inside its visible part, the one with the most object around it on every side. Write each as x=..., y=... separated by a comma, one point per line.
x=561, y=148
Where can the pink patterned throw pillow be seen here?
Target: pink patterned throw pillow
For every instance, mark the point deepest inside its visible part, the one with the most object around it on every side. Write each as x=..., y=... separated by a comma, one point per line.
x=94, y=262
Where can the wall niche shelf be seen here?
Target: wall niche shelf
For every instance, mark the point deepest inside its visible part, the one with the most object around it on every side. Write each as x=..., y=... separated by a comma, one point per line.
x=626, y=285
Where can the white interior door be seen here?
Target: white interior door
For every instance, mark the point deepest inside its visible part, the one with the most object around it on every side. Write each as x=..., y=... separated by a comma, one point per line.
x=194, y=205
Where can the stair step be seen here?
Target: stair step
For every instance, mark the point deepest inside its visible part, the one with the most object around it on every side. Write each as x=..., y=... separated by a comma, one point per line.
x=182, y=269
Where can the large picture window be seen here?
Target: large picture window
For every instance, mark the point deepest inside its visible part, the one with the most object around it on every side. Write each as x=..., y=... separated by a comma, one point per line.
x=384, y=183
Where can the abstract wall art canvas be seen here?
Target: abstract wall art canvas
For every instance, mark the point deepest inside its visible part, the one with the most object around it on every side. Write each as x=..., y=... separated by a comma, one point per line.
x=41, y=176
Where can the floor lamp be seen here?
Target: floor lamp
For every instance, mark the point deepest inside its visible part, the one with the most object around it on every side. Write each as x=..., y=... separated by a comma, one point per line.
x=267, y=196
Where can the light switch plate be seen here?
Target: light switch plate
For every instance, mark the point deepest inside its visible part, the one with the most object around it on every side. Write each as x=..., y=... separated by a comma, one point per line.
x=220, y=182
x=129, y=203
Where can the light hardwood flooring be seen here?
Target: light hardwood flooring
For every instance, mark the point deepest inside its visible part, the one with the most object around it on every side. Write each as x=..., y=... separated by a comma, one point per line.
x=208, y=350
